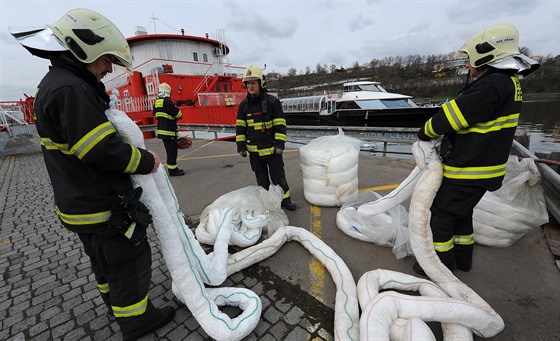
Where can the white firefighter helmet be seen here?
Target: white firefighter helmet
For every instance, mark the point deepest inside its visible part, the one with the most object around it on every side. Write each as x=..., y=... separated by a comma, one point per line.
x=253, y=73
x=85, y=33
x=498, y=46
x=164, y=90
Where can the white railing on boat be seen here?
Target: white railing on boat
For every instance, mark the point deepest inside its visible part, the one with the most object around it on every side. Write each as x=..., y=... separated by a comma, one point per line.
x=12, y=115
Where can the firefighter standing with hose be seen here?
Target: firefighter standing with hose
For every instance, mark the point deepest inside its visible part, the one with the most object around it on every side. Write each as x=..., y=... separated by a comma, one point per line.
x=89, y=164
x=478, y=129
x=261, y=132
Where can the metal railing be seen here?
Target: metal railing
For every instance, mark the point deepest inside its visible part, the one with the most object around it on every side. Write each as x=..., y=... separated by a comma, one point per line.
x=12, y=115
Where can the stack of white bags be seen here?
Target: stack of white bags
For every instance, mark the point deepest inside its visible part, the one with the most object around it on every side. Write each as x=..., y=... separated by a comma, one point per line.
x=330, y=169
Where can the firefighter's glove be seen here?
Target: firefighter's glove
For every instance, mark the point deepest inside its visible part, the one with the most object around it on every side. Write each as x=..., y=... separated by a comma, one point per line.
x=278, y=151
x=135, y=208
x=422, y=136
x=243, y=153
x=131, y=217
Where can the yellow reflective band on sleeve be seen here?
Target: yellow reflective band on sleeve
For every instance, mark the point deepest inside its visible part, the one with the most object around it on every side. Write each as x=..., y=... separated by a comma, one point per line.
x=464, y=239
x=134, y=162
x=103, y=288
x=50, y=145
x=454, y=115
x=281, y=137
x=279, y=122
x=443, y=246
x=84, y=219
x=131, y=310
x=509, y=121
x=470, y=173
x=518, y=97
x=179, y=115
x=91, y=139
x=241, y=123
x=240, y=138
x=429, y=130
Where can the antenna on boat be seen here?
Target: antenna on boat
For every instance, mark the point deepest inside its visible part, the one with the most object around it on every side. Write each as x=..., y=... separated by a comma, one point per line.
x=153, y=17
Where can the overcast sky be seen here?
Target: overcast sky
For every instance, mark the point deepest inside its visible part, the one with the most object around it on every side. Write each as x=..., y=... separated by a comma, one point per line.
x=283, y=34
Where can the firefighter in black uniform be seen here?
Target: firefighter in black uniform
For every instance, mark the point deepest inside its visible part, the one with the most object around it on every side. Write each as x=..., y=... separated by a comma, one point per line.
x=478, y=128
x=167, y=115
x=89, y=164
x=261, y=131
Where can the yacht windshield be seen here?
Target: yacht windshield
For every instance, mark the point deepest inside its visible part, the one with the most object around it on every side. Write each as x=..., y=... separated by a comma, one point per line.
x=372, y=87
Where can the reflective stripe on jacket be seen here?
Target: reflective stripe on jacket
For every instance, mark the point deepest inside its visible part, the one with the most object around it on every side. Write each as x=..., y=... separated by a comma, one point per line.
x=83, y=154
x=259, y=132
x=479, y=127
x=167, y=115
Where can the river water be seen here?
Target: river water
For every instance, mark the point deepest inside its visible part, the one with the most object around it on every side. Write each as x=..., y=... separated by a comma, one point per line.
x=541, y=120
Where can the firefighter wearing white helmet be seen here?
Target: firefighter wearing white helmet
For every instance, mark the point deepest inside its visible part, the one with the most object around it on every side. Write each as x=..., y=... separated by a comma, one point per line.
x=261, y=132
x=89, y=165
x=476, y=131
x=167, y=115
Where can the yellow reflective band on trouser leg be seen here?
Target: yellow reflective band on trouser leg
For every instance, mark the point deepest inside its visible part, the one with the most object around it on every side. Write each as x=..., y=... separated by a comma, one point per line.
x=443, y=246
x=103, y=288
x=286, y=195
x=464, y=239
x=131, y=310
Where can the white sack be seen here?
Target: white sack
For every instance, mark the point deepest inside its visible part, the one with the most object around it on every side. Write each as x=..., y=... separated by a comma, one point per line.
x=254, y=208
x=330, y=162
x=504, y=216
x=386, y=229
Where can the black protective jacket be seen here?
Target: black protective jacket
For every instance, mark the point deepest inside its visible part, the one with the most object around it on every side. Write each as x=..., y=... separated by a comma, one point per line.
x=478, y=129
x=167, y=115
x=260, y=125
x=85, y=158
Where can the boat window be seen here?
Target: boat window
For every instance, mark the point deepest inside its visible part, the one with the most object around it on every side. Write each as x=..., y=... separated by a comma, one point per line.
x=205, y=57
x=370, y=87
x=195, y=56
x=396, y=103
x=371, y=104
x=218, y=87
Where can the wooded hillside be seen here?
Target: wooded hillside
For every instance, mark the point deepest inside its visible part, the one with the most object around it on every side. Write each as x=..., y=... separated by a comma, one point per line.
x=422, y=77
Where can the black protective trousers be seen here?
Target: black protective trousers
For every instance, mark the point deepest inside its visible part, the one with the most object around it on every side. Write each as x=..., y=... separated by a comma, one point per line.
x=451, y=223
x=122, y=269
x=270, y=169
x=170, y=145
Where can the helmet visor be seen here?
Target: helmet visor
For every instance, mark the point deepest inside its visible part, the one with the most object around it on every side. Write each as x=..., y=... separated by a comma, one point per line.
x=39, y=39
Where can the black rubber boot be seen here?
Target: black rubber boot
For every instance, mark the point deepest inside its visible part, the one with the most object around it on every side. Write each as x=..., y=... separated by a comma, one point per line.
x=418, y=269
x=176, y=172
x=132, y=328
x=289, y=205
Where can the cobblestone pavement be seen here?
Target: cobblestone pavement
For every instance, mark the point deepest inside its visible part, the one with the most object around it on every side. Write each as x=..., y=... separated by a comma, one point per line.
x=49, y=293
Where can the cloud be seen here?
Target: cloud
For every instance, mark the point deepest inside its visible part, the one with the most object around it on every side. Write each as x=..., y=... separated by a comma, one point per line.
x=360, y=22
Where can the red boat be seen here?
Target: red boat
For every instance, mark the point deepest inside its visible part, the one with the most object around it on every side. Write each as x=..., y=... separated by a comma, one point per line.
x=205, y=86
